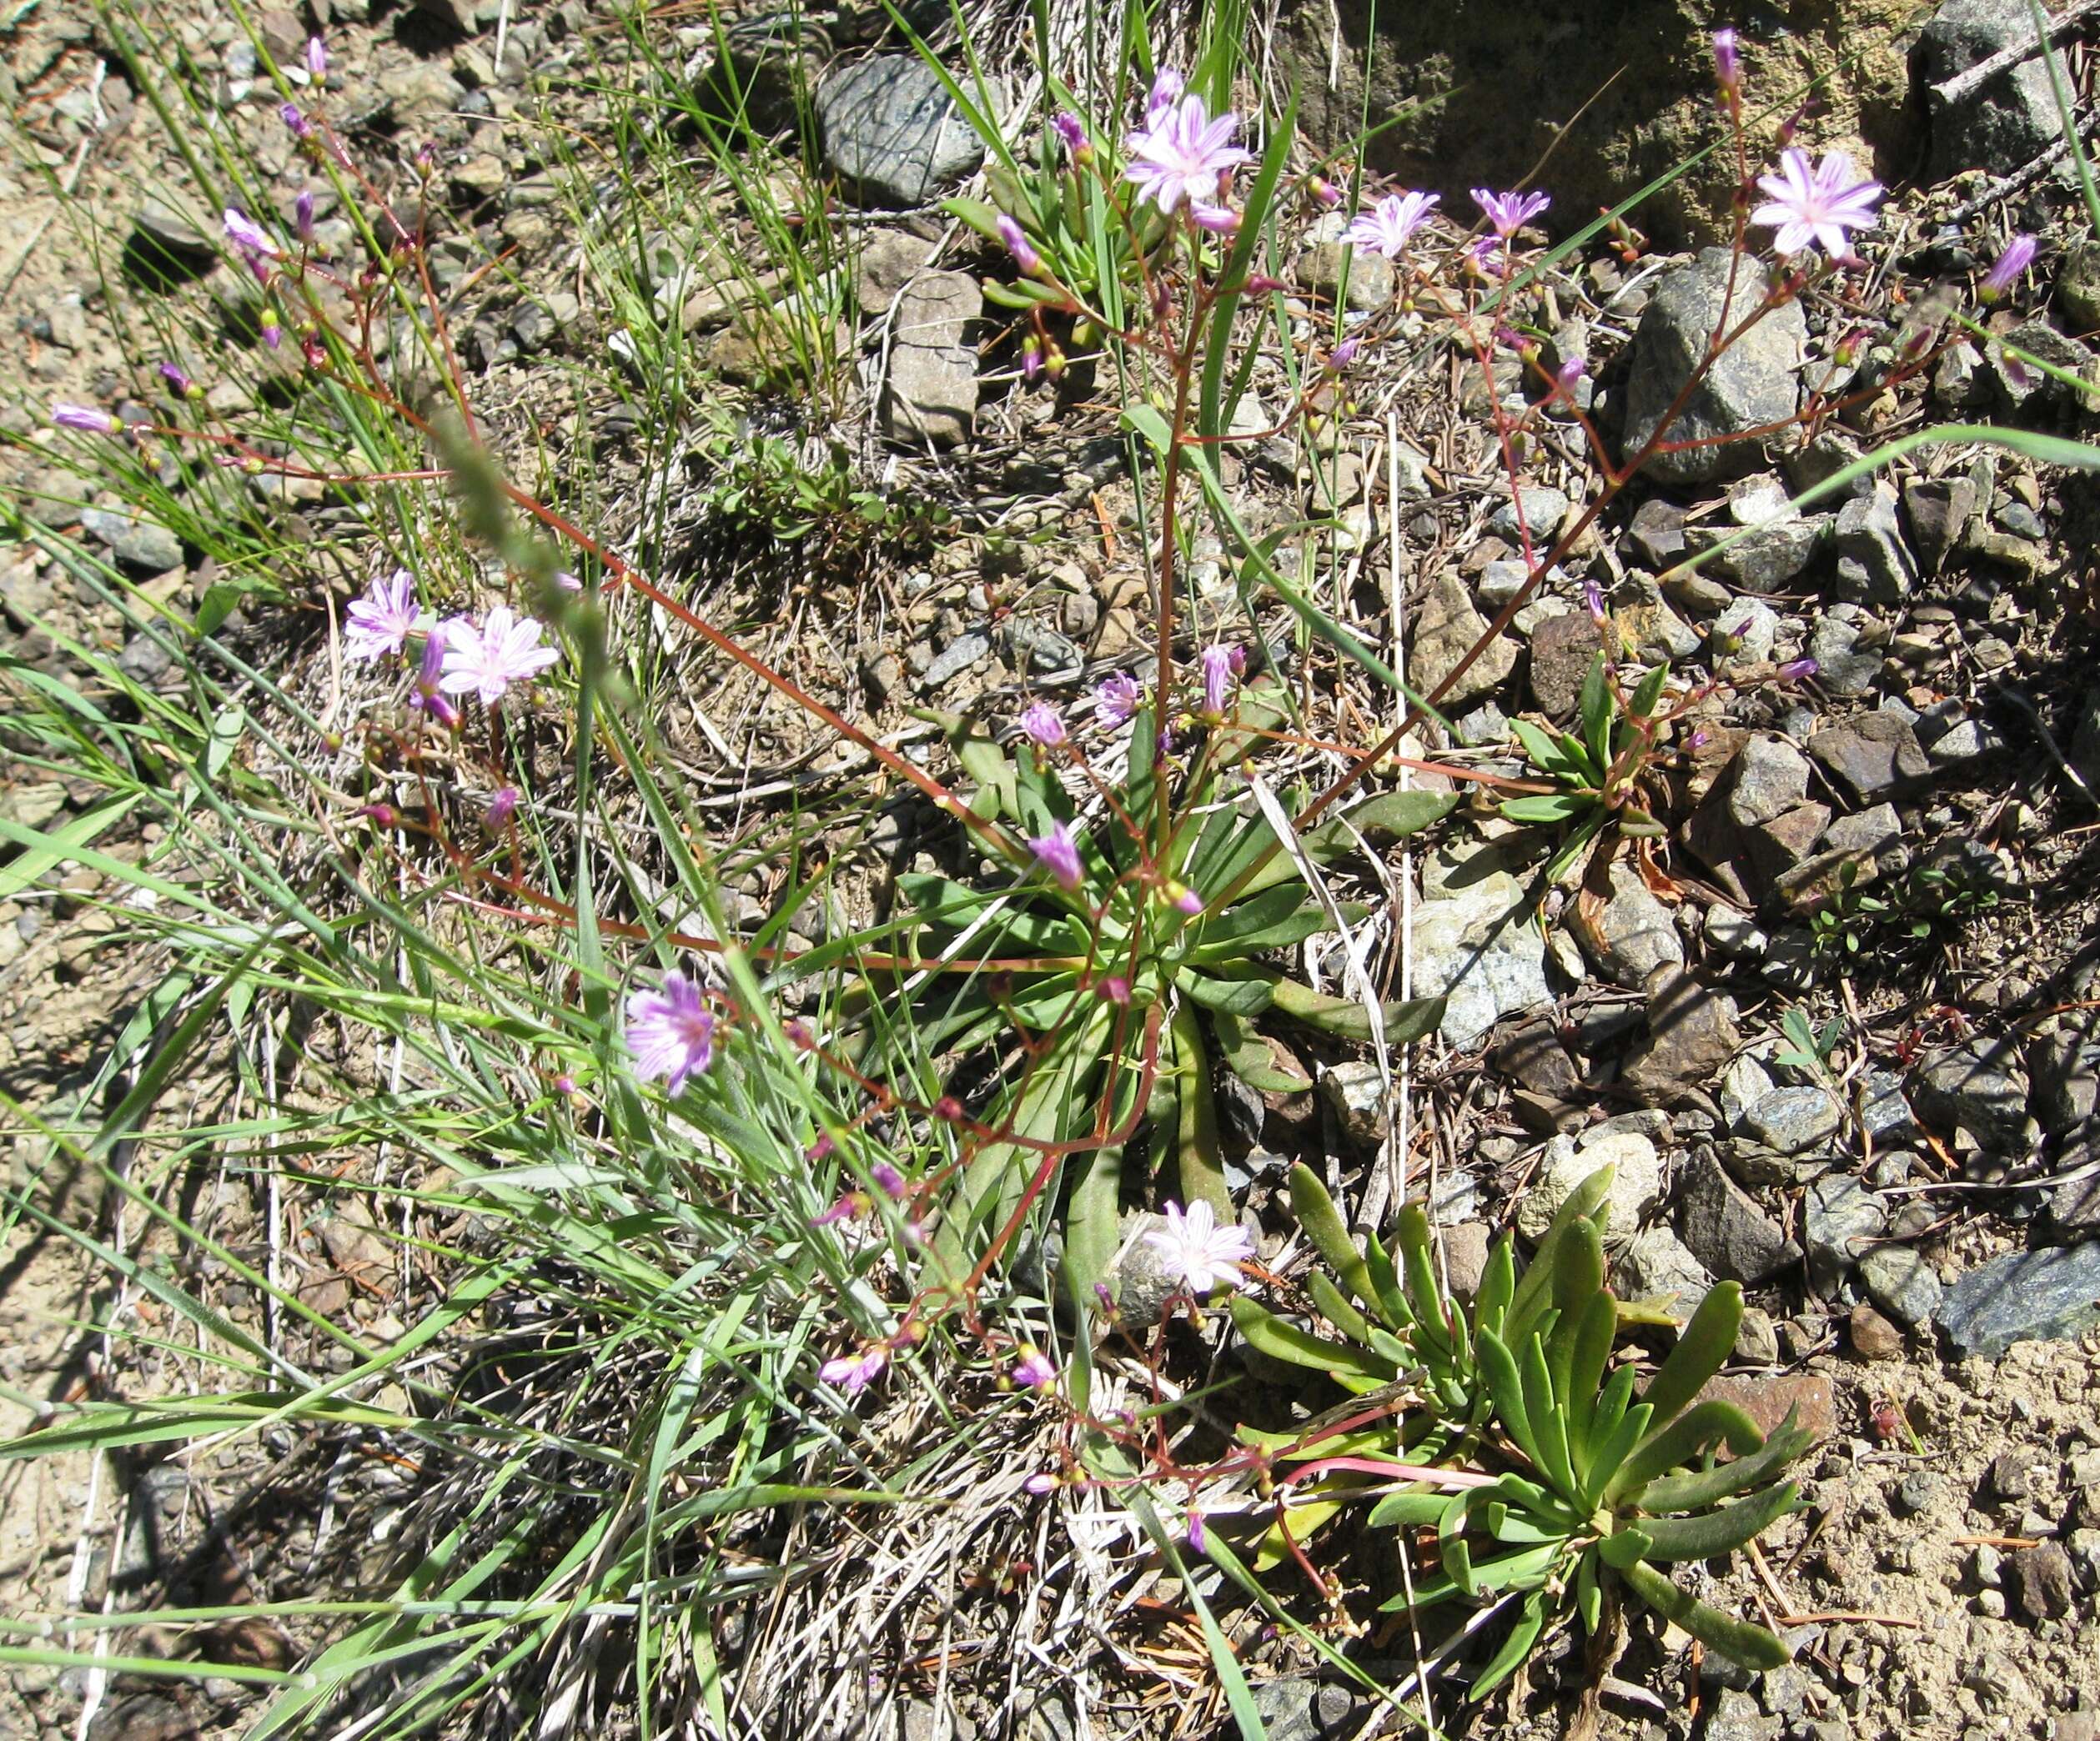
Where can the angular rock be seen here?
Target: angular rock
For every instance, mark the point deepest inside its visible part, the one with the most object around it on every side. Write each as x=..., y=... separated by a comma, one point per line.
x=1445, y=632
x=1636, y=1187
x=1873, y=1336
x=1977, y=1087
x=1563, y=649
x=1771, y=777
x=139, y=545
x=1630, y=934
x=1768, y=558
x=1657, y=1265
x=1899, y=1281
x=2039, y=1579
x=1754, y=383
x=930, y=394
x=1723, y=1228
x=1465, y=1257
x=1354, y=1090
x=1768, y=1399
x=2020, y=385
x=1657, y=530
x=1938, y=510
x=892, y=130
x=1544, y=509
x=1871, y=756
x=2048, y=1295
x=1874, y=565
x=2002, y=125
x=1842, y=668
x=1691, y=1037
x=1792, y=1120
x=1838, y=1216
x=1477, y=943
x=1745, y=635
x=1778, y=846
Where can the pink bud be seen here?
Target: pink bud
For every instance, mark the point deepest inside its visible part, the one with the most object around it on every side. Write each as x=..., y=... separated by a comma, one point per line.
x=1728, y=63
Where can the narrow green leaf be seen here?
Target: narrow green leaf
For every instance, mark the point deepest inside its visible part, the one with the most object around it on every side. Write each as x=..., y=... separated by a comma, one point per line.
x=1706, y=1535
x=1354, y=1368
x=1701, y=1349
x=1738, y=1640
x=1677, y=1442
x=1530, y=1618
x=1330, y=1236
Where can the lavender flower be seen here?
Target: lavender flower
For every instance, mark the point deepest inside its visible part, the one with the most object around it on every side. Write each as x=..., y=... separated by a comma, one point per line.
x=1220, y=220
x=88, y=420
x=1184, y=900
x=1593, y=602
x=1195, y=1536
x=249, y=237
x=178, y=383
x=1385, y=229
x=1166, y=92
x=671, y=1031
x=1116, y=697
x=1072, y=131
x=1815, y=204
x=2005, y=270
x=489, y=659
x=316, y=57
x=429, y=673
x=888, y=1180
x=1220, y=665
x=1019, y=245
x=378, y=626
x=1728, y=62
x=303, y=215
x=1344, y=354
x=1796, y=670
x=853, y=1373
x=1182, y=151
x=1508, y=212
x=1043, y=726
x=1197, y=1249
x=1058, y=853
x=295, y=123
x=502, y=807
x=1040, y=1484
x=1033, y=1371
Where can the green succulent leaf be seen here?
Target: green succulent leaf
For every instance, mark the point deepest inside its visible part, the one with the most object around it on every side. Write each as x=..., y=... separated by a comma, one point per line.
x=1547, y=756
x=1547, y=810
x=1530, y=1620
x=1706, y=1535
x=1499, y=1368
x=1388, y=817
x=1589, y=1346
x=1235, y=996
x=1425, y=1297
x=1646, y=697
x=1738, y=1640
x=1498, y=1285
x=1549, y=1424
x=1705, y=1344
x=1275, y=918
x=1534, y=1292
x=1330, y=1236
x=1608, y=1452
x=1666, y=1447
x=1627, y=1547
x=1341, y=1313
x=1356, y=1369
x=1701, y=1487
x=1349, y=1019
x=1589, y=1594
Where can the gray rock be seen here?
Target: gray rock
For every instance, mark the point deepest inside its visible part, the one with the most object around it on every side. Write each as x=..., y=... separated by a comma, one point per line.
x=1477, y=943
x=137, y=545
x=892, y=132
x=1563, y=650
x=1692, y=1034
x=1723, y=1228
x=1871, y=756
x=1766, y=558
x=956, y=658
x=2020, y=385
x=1865, y=832
x=1657, y=531
x=1771, y=777
x=1631, y=934
x=1842, y=668
x=1354, y=1091
x=164, y=229
x=1874, y=565
x=932, y=392
x=1938, y=510
x=1978, y=1087
x=1658, y=1263
x=1445, y=632
x=2045, y=1296
x=1839, y=1215
x=1743, y=1083
x=1465, y=1257
x=1792, y=1120
x=1884, y=1113
x=1902, y=1284
x=2007, y=121
x=1636, y=1186
x=1320, y=267
x=1754, y=383
x=1744, y=634
x=888, y=261
x=1544, y=509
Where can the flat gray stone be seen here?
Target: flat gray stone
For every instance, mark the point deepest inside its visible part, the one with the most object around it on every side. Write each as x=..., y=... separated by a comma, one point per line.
x=930, y=394
x=1754, y=383
x=1545, y=508
x=1636, y=1186
x=1899, y=1281
x=1874, y=565
x=2045, y=1296
x=1839, y=1215
x=1723, y=1228
x=1791, y=1120
x=892, y=130
x=1477, y=943
x=137, y=545
x=1977, y=1087
x=1444, y=631
x=1871, y=756
x=1631, y=934
x=2005, y=123
x=1771, y=777
x=1691, y=1035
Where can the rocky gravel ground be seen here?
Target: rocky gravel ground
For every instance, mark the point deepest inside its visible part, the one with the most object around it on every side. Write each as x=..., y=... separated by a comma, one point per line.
x=1839, y=1031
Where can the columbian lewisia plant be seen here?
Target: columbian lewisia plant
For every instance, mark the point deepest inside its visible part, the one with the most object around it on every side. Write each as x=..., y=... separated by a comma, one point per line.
x=1815, y=204
x=1183, y=151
